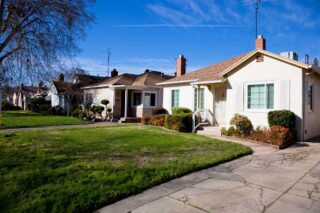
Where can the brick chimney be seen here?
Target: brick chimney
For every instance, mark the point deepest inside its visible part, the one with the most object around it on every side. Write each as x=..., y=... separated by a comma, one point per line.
x=181, y=66
x=114, y=73
x=261, y=43
x=61, y=77
x=40, y=85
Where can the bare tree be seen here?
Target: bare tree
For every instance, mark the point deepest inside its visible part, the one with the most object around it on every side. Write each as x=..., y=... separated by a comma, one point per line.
x=36, y=34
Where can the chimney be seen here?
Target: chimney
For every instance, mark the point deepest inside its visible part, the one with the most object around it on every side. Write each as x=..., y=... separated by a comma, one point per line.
x=114, y=73
x=261, y=43
x=40, y=85
x=61, y=77
x=181, y=66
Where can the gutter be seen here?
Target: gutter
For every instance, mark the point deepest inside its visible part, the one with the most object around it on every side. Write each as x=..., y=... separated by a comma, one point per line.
x=176, y=82
x=210, y=82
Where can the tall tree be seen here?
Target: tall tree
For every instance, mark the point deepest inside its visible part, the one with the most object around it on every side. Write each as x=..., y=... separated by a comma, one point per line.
x=36, y=34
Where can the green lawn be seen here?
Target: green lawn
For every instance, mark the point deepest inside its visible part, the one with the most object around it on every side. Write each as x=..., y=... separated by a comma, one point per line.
x=81, y=170
x=19, y=119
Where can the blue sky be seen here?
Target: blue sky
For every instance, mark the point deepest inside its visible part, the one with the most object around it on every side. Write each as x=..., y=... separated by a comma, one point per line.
x=150, y=34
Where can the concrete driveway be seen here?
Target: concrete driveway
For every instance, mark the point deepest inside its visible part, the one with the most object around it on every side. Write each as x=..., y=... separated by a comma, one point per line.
x=268, y=181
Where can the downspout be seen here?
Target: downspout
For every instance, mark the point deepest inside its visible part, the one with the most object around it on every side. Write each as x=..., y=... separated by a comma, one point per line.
x=303, y=104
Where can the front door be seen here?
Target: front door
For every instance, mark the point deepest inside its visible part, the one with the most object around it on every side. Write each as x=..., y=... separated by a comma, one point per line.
x=220, y=105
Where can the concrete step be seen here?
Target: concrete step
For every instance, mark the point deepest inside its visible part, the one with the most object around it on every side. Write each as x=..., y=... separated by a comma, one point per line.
x=210, y=131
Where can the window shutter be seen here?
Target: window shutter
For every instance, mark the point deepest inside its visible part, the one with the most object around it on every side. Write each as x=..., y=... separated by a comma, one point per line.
x=284, y=94
x=239, y=97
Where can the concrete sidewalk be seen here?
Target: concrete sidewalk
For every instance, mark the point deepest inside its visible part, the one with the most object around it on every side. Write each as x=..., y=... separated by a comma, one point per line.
x=267, y=181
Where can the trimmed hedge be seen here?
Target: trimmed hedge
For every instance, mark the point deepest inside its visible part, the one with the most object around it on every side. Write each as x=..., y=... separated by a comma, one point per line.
x=7, y=106
x=180, y=110
x=157, y=120
x=284, y=118
x=160, y=111
x=181, y=122
x=242, y=123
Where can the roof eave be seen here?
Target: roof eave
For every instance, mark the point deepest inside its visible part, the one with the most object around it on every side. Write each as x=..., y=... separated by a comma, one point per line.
x=176, y=82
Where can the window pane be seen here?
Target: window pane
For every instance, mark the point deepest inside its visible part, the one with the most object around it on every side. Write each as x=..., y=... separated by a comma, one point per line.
x=202, y=98
x=270, y=96
x=153, y=99
x=256, y=96
x=136, y=99
x=150, y=99
x=174, y=98
x=310, y=96
x=195, y=105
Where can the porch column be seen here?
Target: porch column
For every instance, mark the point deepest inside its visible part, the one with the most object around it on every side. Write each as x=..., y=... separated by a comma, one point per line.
x=126, y=103
x=199, y=98
x=142, y=102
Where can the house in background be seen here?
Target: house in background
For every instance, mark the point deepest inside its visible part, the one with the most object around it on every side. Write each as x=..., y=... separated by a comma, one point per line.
x=23, y=96
x=65, y=95
x=130, y=96
x=251, y=84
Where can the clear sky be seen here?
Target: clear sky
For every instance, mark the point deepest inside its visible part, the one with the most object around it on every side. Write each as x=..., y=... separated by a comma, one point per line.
x=150, y=34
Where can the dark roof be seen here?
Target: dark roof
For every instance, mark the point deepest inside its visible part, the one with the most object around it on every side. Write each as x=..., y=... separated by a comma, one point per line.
x=85, y=80
x=148, y=78
x=68, y=87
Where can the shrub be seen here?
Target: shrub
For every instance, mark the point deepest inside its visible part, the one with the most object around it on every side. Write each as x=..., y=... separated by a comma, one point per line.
x=97, y=109
x=39, y=105
x=223, y=131
x=57, y=110
x=284, y=118
x=105, y=102
x=7, y=106
x=181, y=122
x=77, y=112
x=279, y=135
x=242, y=123
x=160, y=111
x=157, y=120
x=180, y=110
x=109, y=110
x=146, y=119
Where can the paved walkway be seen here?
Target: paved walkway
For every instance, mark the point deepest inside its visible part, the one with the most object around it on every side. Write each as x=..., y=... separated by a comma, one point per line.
x=60, y=127
x=268, y=181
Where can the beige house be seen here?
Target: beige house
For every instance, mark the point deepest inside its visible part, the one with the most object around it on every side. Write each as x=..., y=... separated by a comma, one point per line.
x=251, y=84
x=130, y=96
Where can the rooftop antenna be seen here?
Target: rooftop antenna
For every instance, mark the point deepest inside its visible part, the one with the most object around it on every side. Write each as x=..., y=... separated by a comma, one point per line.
x=257, y=9
x=108, y=51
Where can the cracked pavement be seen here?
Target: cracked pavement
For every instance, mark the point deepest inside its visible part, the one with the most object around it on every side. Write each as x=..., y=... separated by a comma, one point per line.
x=267, y=181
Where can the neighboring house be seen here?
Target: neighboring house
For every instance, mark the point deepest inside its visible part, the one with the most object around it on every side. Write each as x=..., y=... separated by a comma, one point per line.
x=130, y=96
x=251, y=84
x=7, y=94
x=23, y=96
x=68, y=94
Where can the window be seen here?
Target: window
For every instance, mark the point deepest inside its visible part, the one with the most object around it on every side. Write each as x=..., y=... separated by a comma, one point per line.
x=195, y=101
x=136, y=98
x=88, y=98
x=260, y=96
x=310, y=98
x=150, y=99
x=175, y=98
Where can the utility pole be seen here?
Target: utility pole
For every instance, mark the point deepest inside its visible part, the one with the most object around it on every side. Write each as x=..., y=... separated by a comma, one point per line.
x=108, y=51
x=257, y=9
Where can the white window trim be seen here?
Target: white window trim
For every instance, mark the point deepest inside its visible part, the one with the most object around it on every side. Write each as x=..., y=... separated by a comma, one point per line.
x=176, y=89
x=156, y=99
x=257, y=83
x=132, y=96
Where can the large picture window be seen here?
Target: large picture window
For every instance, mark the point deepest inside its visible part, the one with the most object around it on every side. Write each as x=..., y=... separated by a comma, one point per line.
x=195, y=105
x=150, y=99
x=260, y=96
x=175, y=98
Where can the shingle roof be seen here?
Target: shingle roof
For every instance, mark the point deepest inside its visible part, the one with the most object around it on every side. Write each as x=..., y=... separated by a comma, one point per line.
x=148, y=78
x=85, y=80
x=69, y=87
x=209, y=73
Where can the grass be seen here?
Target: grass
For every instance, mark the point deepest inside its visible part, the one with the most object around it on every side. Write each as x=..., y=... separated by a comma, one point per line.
x=81, y=170
x=20, y=119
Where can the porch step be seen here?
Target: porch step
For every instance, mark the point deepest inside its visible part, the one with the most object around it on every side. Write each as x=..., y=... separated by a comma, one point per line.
x=210, y=131
x=130, y=120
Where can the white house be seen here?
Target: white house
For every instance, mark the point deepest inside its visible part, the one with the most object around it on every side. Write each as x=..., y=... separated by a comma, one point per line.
x=251, y=84
x=130, y=96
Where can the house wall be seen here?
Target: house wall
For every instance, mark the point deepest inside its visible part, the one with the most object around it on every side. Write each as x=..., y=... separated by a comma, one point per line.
x=55, y=99
x=99, y=94
x=186, y=97
x=312, y=117
x=288, y=84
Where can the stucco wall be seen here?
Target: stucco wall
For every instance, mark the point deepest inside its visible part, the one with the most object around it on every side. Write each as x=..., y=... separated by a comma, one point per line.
x=312, y=118
x=288, y=83
x=99, y=94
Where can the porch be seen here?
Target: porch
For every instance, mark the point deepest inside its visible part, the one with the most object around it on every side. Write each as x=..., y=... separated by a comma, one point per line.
x=210, y=100
x=131, y=103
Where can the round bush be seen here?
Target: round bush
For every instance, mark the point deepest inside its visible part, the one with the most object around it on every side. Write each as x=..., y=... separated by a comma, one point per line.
x=180, y=110
x=242, y=123
x=105, y=102
x=284, y=118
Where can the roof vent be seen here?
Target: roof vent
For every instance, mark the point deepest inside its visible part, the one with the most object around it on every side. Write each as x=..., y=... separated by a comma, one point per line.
x=290, y=55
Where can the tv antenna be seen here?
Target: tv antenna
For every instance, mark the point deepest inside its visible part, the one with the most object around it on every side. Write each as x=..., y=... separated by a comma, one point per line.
x=257, y=9
x=108, y=51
